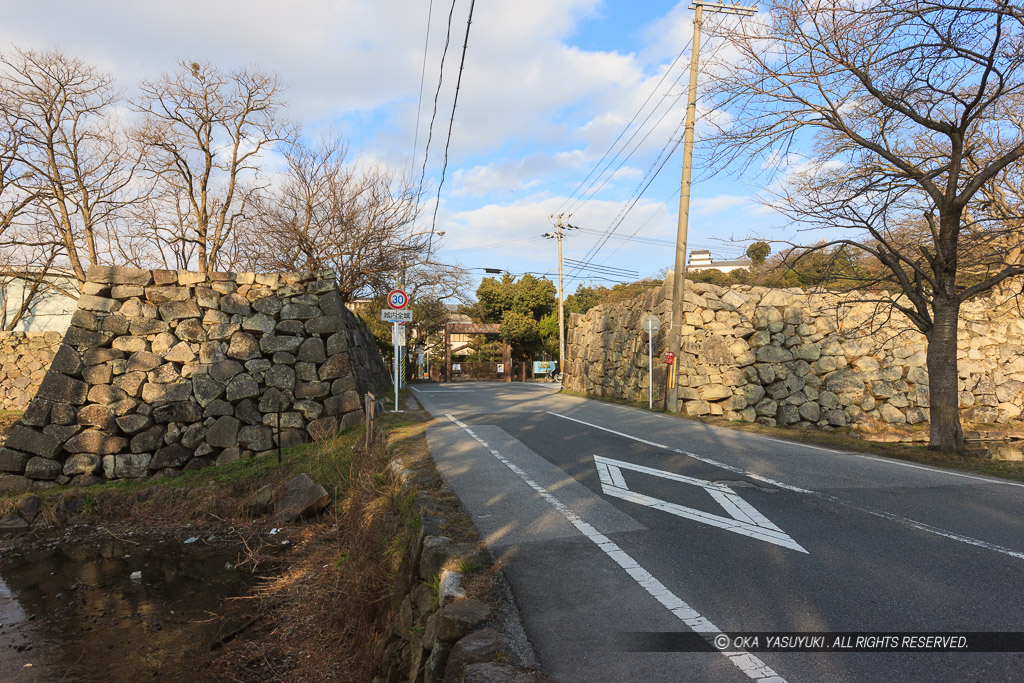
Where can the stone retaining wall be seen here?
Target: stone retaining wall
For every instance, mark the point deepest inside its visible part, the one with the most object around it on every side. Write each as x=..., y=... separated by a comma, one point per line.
x=24, y=358
x=168, y=370
x=788, y=357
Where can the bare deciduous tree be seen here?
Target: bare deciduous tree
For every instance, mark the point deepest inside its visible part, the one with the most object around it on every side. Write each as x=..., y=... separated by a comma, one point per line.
x=325, y=214
x=903, y=110
x=70, y=164
x=203, y=134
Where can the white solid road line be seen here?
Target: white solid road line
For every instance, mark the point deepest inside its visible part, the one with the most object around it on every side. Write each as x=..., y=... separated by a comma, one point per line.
x=900, y=463
x=906, y=521
x=750, y=665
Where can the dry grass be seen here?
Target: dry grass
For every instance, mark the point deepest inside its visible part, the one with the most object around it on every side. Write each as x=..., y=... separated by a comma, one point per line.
x=323, y=615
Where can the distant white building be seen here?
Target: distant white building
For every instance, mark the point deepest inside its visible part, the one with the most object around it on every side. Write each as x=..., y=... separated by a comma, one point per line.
x=51, y=310
x=700, y=259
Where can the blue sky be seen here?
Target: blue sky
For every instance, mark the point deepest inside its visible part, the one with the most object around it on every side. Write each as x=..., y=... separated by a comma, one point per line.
x=546, y=89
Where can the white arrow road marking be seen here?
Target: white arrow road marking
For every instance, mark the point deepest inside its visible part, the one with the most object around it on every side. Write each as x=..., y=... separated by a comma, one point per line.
x=743, y=518
x=750, y=665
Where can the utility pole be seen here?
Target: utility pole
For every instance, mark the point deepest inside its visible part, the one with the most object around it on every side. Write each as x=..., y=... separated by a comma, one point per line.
x=558, y=234
x=679, y=273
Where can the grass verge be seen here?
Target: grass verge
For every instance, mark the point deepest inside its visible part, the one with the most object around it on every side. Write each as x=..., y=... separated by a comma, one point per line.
x=845, y=439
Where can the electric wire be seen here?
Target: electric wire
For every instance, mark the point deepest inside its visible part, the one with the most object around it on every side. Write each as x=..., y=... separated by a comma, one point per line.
x=606, y=177
x=649, y=176
x=437, y=94
x=451, y=124
x=419, y=103
x=623, y=131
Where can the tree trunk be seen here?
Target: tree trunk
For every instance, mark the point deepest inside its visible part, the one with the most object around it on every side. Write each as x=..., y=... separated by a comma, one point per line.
x=946, y=432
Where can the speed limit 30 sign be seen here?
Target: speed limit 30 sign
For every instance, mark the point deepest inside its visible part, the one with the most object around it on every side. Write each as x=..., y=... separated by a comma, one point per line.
x=397, y=298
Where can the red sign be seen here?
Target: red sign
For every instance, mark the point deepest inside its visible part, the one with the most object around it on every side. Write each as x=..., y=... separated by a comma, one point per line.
x=669, y=357
x=398, y=298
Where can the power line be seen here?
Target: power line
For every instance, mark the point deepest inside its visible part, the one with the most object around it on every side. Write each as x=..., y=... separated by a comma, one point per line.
x=634, y=197
x=419, y=103
x=604, y=269
x=437, y=94
x=623, y=132
x=607, y=177
x=451, y=124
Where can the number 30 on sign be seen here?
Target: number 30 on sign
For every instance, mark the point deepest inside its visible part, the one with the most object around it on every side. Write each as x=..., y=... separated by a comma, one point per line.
x=397, y=298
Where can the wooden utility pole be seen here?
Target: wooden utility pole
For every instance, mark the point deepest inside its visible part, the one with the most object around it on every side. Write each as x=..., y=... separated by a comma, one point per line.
x=679, y=273
x=558, y=234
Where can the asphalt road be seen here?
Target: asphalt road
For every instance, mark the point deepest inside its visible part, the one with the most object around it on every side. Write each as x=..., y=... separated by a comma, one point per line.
x=612, y=521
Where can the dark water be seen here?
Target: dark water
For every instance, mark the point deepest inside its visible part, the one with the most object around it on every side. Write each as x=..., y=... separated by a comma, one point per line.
x=74, y=613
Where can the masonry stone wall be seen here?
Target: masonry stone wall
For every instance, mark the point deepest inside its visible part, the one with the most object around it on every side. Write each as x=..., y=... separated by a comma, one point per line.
x=168, y=370
x=793, y=358
x=24, y=358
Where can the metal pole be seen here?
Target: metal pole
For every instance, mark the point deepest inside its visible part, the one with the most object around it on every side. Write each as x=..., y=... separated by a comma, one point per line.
x=394, y=343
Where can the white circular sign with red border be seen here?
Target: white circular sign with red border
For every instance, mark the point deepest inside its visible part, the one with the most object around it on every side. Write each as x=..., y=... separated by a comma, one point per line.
x=397, y=298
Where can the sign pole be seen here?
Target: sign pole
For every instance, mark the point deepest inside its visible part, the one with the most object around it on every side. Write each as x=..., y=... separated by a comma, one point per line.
x=394, y=341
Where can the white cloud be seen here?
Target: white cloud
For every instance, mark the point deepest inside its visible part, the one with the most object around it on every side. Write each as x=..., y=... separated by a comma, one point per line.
x=709, y=206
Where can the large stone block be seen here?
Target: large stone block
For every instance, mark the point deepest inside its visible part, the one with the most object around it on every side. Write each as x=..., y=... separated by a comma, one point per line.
x=162, y=295
x=242, y=386
x=281, y=377
x=42, y=468
x=134, y=423
x=259, y=322
x=180, y=353
x=714, y=392
x=174, y=455
x=223, y=433
x=96, y=441
x=326, y=324
x=243, y=346
x=58, y=388
x=336, y=366
x=100, y=304
x=276, y=343
x=147, y=441
x=179, y=310
x=302, y=496
x=297, y=311
x=312, y=351
x=66, y=361
x=206, y=390
x=185, y=411
x=269, y=305
x=343, y=403
x=97, y=416
x=156, y=394
x=37, y=414
x=116, y=275
x=12, y=461
x=82, y=463
x=28, y=440
x=255, y=438
x=235, y=304
x=190, y=330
